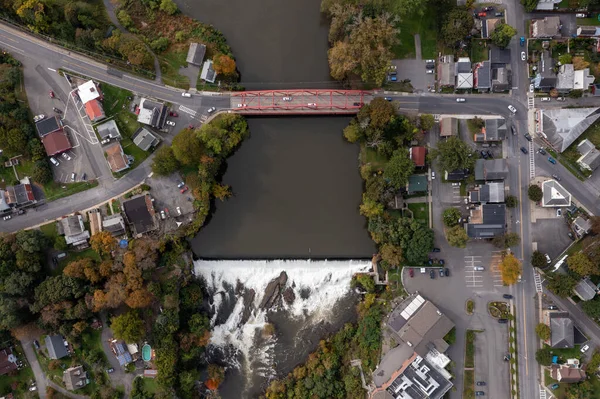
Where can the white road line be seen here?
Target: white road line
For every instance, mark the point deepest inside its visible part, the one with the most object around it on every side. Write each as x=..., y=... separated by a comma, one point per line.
x=187, y=110
x=531, y=161
x=542, y=393
x=538, y=283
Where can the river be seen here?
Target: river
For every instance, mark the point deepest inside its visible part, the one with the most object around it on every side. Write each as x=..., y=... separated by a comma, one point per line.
x=296, y=192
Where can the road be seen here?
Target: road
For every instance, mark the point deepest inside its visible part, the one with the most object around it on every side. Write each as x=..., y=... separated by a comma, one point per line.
x=40, y=378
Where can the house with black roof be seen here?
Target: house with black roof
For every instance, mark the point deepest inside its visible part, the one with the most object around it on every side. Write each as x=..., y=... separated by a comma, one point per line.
x=483, y=76
x=48, y=125
x=489, y=192
x=499, y=69
x=140, y=214
x=494, y=130
x=487, y=221
x=56, y=346
x=562, y=330
x=491, y=169
x=499, y=57
x=457, y=175
x=196, y=53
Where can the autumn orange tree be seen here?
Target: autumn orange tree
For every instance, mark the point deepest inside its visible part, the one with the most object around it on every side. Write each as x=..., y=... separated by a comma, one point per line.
x=103, y=243
x=224, y=64
x=511, y=269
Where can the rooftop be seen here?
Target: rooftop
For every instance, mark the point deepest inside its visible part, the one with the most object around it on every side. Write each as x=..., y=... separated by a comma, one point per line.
x=483, y=76
x=448, y=127
x=94, y=110
x=547, y=27
x=140, y=213
x=55, y=344
x=562, y=329
x=565, y=77
x=8, y=361
x=20, y=194
x=420, y=380
x=446, y=71
x=152, y=113
x=114, y=224
x=417, y=154
x=144, y=139
x=491, y=169
x=585, y=289
x=208, y=73
x=555, y=195
x=499, y=56
x=463, y=65
x=88, y=91
x=196, y=54
x=583, y=79
x=75, y=378
x=562, y=126
x=116, y=158
x=72, y=225
x=567, y=374
x=464, y=80
x=48, y=125
x=488, y=221
x=108, y=130
x=56, y=142
x=417, y=183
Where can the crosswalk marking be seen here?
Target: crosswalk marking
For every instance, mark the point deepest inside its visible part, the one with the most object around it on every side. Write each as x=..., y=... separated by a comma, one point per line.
x=538, y=283
x=187, y=110
x=530, y=102
x=542, y=393
x=531, y=161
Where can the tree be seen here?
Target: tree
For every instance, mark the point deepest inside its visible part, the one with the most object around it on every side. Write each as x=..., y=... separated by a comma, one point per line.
x=164, y=162
x=224, y=64
x=103, y=243
x=506, y=240
x=511, y=201
x=128, y=327
x=529, y=5
x=408, y=7
x=216, y=374
x=580, y=63
x=457, y=26
x=538, y=259
x=427, y=121
x=187, y=148
x=566, y=58
x=41, y=172
x=544, y=356
x=353, y=132
x=168, y=6
x=451, y=216
x=453, y=154
x=139, y=298
x=561, y=284
x=457, y=237
x=543, y=331
x=502, y=35
x=582, y=265
x=535, y=193
x=370, y=208
x=591, y=308
x=221, y=191
x=595, y=224
x=380, y=112
x=398, y=169
x=391, y=254
x=511, y=269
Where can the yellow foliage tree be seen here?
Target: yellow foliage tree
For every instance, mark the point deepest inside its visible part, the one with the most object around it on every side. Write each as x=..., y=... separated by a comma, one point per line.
x=580, y=63
x=511, y=269
x=224, y=64
x=103, y=243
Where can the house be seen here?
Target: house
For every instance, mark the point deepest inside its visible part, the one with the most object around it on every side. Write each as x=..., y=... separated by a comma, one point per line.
x=144, y=139
x=448, y=127
x=4, y=206
x=91, y=95
x=56, y=143
x=416, y=184
x=581, y=226
x=489, y=25
x=590, y=156
x=583, y=79
x=139, y=212
x=116, y=158
x=95, y=218
x=457, y=175
x=48, y=125
x=545, y=78
x=487, y=221
x=483, y=77
x=565, y=373
x=555, y=195
x=464, y=74
x=586, y=290
x=108, y=130
x=446, y=71
x=548, y=27
x=589, y=31
x=94, y=111
x=20, y=195
x=491, y=169
x=562, y=126
x=415, y=367
x=152, y=113
x=115, y=225
x=120, y=351
x=494, y=130
x=499, y=57
x=547, y=5
x=73, y=229
x=565, y=78
x=8, y=361
x=499, y=64
x=75, y=378
x=208, y=73
x=562, y=330
x=489, y=192
x=196, y=53
x=500, y=79
x=417, y=154
x=56, y=346
x=134, y=351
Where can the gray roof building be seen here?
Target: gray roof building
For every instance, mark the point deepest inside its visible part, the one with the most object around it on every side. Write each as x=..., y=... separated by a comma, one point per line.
x=499, y=57
x=448, y=127
x=588, y=31
x=108, y=130
x=566, y=78
x=144, y=139
x=196, y=54
x=491, y=169
x=464, y=80
x=581, y=226
x=416, y=184
x=488, y=221
x=562, y=330
x=73, y=229
x=494, y=130
x=585, y=289
x=152, y=113
x=590, y=156
x=140, y=214
x=447, y=71
x=463, y=65
x=114, y=224
x=56, y=346
x=420, y=380
x=489, y=192
x=48, y=125
x=75, y=378
x=548, y=27
x=20, y=194
x=545, y=78
x=562, y=126
x=208, y=72
x=483, y=76
x=555, y=195
x=500, y=79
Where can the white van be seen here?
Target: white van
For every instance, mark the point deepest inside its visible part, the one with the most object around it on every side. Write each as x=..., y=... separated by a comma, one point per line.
x=186, y=95
x=478, y=268
x=54, y=161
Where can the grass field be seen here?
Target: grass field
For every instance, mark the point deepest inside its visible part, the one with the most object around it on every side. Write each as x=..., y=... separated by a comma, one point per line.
x=470, y=350
x=169, y=66
x=469, y=384
x=49, y=231
x=425, y=26
x=420, y=212
x=369, y=155
x=479, y=50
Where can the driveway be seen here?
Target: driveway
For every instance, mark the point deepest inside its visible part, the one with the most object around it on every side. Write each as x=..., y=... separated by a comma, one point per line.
x=40, y=378
x=119, y=376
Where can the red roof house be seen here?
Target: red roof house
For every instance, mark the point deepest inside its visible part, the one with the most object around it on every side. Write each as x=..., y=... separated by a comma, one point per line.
x=56, y=142
x=8, y=361
x=417, y=154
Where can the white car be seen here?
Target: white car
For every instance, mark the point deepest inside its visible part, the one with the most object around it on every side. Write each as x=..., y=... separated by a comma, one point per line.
x=512, y=109
x=393, y=67
x=242, y=105
x=178, y=209
x=429, y=71
x=548, y=260
x=558, y=213
x=580, y=15
x=584, y=348
x=545, y=99
x=186, y=95
x=461, y=100
x=39, y=117
x=531, y=88
x=422, y=270
x=432, y=175
x=523, y=56
x=312, y=104
x=430, y=61
x=54, y=161
x=163, y=216
x=287, y=98
x=66, y=156
x=6, y=217
x=104, y=141
x=170, y=123
x=211, y=110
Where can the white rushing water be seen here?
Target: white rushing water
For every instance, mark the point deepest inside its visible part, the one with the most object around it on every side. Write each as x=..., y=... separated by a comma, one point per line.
x=325, y=281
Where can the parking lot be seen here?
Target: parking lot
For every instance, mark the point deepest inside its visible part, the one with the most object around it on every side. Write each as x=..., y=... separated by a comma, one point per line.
x=168, y=198
x=551, y=236
x=415, y=71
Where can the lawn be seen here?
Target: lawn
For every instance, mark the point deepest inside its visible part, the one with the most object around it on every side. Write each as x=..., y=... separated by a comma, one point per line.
x=469, y=384
x=420, y=212
x=170, y=63
x=470, y=349
x=588, y=21
x=150, y=385
x=567, y=163
x=450, y=338
x=369, y=155
x=566, y=353
x=49, y=231
x=7, y=177
x=24, y=378
x=72, y=256
x=425, y=26
x=479, y=50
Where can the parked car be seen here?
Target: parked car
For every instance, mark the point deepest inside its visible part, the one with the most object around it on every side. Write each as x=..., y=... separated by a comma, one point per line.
x=21, y=212
x=512, y=109
x=528, y=136
x=287, y=98
x=513, y=130
x=441, y=262
x=183, y=190
x=545, y=99
x=523, y=56
x=479, y=393
x=556, y=177
x=524, y=150
x=481, y=14
x=7, y=217
x=552, y=160
x=170, y=123
x=542, y=151
x=571, y=236
x=54, y=161
x=58, y=111
x=186, y=95
x=163, y=216
x=358, y=104
x=478, y=268
x=312, y=104
x=499, y=14
x=558, y=213
x=552, y=307
x=531, y=88
x=554, y=386
x=461, y=100
x=429, y=71
x=411, y=272
x=560, y=99
x=584, y=348
x=84, y=176
x=110, y=370
x=39, y=117
x=180, y=184
x=36, y=344
x=242, y=105
x=423, y=270
x=480, y=383
x=432, y=175
x=51, y=94
x=502, y=321
x=522, y=41
x=65, y=156
x=105, y=141
x=211, y=110
x=178, y=209
x=484, y=154
x=431, y=274
x=581, y=15
x=507, y=296
x=388, y=98
x=430, y=61
x=435, y=250
x=442, y=274
x=173, y=113
x=447, y=272
x=73, y=175
x=548, y=260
